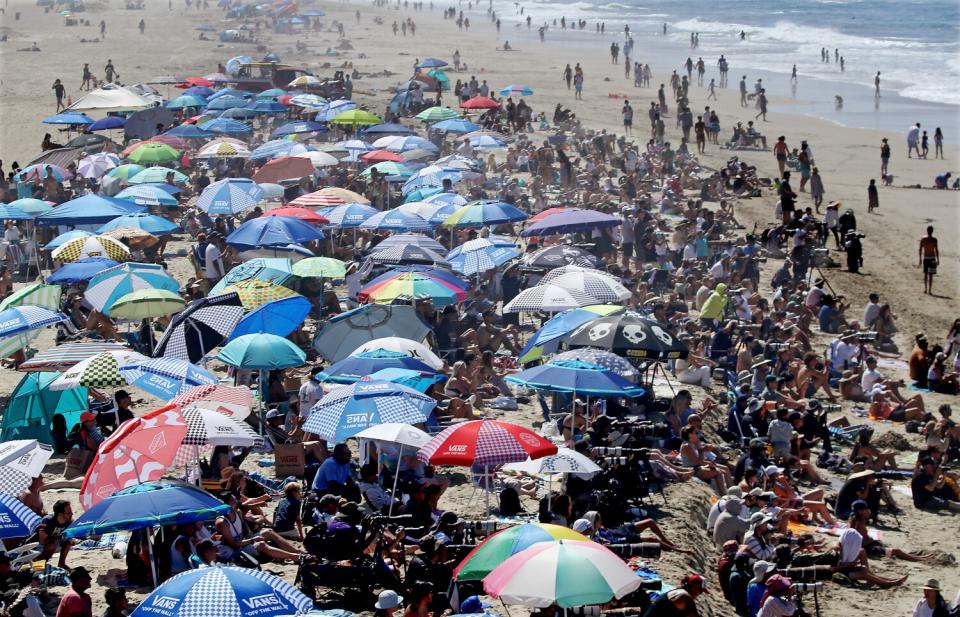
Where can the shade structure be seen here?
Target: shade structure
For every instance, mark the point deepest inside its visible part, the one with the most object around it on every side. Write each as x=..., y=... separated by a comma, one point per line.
x=548, y=298
x=578, y=377
x=480, y=102
x=347, y=410
x=395, y=432
x=31, y=205
x=345, y=334
x=280, y=317
x=391, y=128
x=325, y=267
x=16, y=519
x=284, y=168
x=484, y=443
x=95, y=165
x=455, y=125
x=406, y=346
x=233, y=402
x=150, y=223
x=157, y=174
x=111, y=98
x=201, y=327
x=630, y=334
x=19, y=325
x=355, y=118
x=595, y=283
x=66, y=355
x=412, y=286
x=405, y=143
x=344, y=216
x=565, y=573
x=153, y=153
x=547, y=338
x=271, y=269
x=484, y=213
x=516, y=90
x=32, y=407
x=408, y=254
x=437, y=114
x=226, y=591
x=563, y=462
x=21, y=461
x=34, y=294
x=604, y=359
x=273, y=231
x=208, y=427
x=146, y=304
x=223, y=151
x=166, y=378
x=298, y=128
x=226, y=126
x=261, y=352
x=395, y=220
x=140, y=450
x=92, y=246
x=254, y=293
x=569, y=221
x=550, y=257
x=276, y=147
x=69, y=118
x=88, y=210
x=481, y=255
x=229, y=196
x=353, y=368
x=508, y=542
x=147, y=195
x=380, y=156
x=302, y=214
x=99, y=371
x=108, y=286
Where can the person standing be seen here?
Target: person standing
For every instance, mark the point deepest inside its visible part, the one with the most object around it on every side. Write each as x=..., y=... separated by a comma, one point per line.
x=142, y=26
x=627, y=112
x=59, y=91
x=87, y=77
x=213, y=260
x=873, y=197
x=780, y=150
x=743, y=91
x=884, y=157
x=762, y=104
x=568, y=75
x=913, y=140
x=876, y=85
x=578, y=84
x=103, y=29
x=713, y=92
x=929, y=259
x=937, y=143
x=109, y=71
x=700, y=130
x=816, y=188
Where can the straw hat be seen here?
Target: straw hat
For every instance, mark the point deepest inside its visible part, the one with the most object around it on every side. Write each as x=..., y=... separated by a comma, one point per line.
x=861, y=474
x=932, y=584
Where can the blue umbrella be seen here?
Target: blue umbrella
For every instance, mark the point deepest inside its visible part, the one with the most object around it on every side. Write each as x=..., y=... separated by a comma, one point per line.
x=200, y=91
x=230, y=92
x=455, y=125
x=147, y=195
x=276, y=270
x=418, y=380
x=346, y=411
x=297, y=128
x=66, y=237
x=22, y=319
x=576, y=376
x=280, y=317
x=347, y=215
x=70, y=118
x=150, y=223
x=189, y=131
x=406, y=143
x=516, y=90
x=13, y=213
x=149, y=504
x=16, y=519
x=547, y=338
x=166, y=378
x=267, y=107
x=277, y=147
x=88, y=210
x=237, y=113
x=332, y=109
x=396, y=220
x=271, y=93
x=431, y=176
x=389, y=128
x=273, y=231
x=108, y=123
x=354, y=368
x=108, y=286
x=446, y=199
x=431, y=63
x=265, y=352
x=222, y=103
x=485, y=212
x=482, y=254
x=230, y=196
x=80, y=271
x=185, y=101
x=226, y=591
x=569, y=221
x=486, y=142
x=226, y=126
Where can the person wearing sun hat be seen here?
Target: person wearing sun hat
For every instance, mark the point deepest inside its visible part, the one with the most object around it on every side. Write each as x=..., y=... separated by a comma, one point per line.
x=774, y=602
x=387, y=603
x=757, y=587
x=932, y=604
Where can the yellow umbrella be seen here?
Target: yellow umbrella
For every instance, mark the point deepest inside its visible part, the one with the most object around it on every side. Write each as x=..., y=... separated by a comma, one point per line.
x=255, y=292
x=91, y=246
x=147, y=303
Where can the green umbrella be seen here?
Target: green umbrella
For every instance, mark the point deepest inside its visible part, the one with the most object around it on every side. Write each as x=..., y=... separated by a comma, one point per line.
x=32, y=406
x=356, y=117
x=37, y=294
x=325, y=267
x=154, y=152
x=436, y=114
x=388, y=168
x=147, y=303
x=125, y=172
x=157, y=174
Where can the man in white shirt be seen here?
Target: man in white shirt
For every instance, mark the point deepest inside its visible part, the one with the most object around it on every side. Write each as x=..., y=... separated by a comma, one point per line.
x=310, y=392
x=815, y=294
x=719, y=270
x=213, y=260
x=846, y=352
x=872, y=311
x=871, y=376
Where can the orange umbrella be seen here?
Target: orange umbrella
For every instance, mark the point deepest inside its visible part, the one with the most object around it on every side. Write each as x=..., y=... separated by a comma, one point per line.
x=284, y=168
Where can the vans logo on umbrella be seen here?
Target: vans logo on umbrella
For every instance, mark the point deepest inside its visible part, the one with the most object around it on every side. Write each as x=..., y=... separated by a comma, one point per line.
x=165, y=602
x=265, y=600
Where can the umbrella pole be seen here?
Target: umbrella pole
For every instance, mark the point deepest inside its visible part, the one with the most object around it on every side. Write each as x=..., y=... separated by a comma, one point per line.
x=486, y=488
x=153, y=563
x=263, y=404
x=396, y=477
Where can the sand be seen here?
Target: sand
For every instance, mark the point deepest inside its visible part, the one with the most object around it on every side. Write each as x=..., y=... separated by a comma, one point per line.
x=847, y=159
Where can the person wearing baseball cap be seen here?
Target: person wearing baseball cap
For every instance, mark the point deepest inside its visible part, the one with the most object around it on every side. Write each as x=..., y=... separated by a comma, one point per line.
x=775, y=603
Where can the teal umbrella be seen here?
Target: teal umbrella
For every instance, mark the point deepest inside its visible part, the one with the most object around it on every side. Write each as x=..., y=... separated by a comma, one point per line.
x=265, y=352
x=32, y=406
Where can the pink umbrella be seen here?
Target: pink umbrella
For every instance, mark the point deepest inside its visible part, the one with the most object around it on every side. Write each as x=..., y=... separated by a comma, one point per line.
x=485, y=443
x=284, y=168
x=230, y=401
x=141, y=450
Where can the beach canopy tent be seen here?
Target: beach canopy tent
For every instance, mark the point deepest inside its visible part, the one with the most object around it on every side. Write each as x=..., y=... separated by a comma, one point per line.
x=88, y=210
x=32, y=406
x=111, y=98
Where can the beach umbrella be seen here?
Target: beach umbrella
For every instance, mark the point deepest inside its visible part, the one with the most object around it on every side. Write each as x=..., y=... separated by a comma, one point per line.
x=234, y=64
x=35, y=294
x=147, y=195
x=223, y=151
x=108, y=123
x=404, y=143
x=39, y=171
x=261, y=352
x=420, y=381
x=486, y=142
x=276, y=147
x=565, y=461
x=67, y=355
x=431, y=176
x=443, y=81
x=21, y=460
x=31, y=205
x=212, y=427
x=355, y=118
x=332, y=109
x=304, y=81
x=301, y=214
x=388, y=168
x=484, y=213
x=412, y=286
x=173, y=141
x=226, y=126
x=629, y=334
x=87, y=210
x=227, y=591
x=30, y=411
x=107, y=287
x=547, y=298
x=99, y=371
x=405, y=346
x=267, y=107
x=480, y=102
x=222, y=103
x=604, y=359
x=146, y=304
x=348, y=196
x=344, y=215
x=405, y=254
x=390, y=128
x=126, y=171
x=133, y=237
x=273, y=231
x=150, y=223
x=299, y=127
x=158, y=175
x=505, y=543
x=347, y=410
x=151, y=504
x=318, y=159
x=565, y=573
x=436, y=114
x=253, y=292
x=10, y=213
x=446, y=199
x=396, y=433
x=201, y=327
x=455, y=125
x=355, y=367
x=430, y=63
x=380, y=156
x=229, y=196
x=230, y=401
x=481, y=255
x=350, y=332
x=595, y=283
x=274, y=270
x=557, y=255
x=395, y=220
x=577, y=377
x=186, y=100
x=166, y=378
x=96, y=165
x=140, y=450
x=284, y=168
x=418, y=240
x=69, y=118
x=16, y=519
x=91, y=246
x=516, y=90
x=154, y=152
x=484, y=443
x=280, y=317
x=417, y=155
x=572, y=220
x=307, y=100
x=237, y=113
x=189, y=131
x=320, y=267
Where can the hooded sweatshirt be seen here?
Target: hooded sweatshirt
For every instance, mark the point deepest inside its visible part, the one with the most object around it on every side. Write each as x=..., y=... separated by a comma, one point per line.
x=714, y=306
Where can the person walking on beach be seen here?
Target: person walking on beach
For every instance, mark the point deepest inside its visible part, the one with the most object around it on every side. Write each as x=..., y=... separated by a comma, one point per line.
x=103, y=29
x=913, y=140
x=568, y=75
x=876, y=85
x=780, y=150
x=929, y=259
x=713, y=91
x=578, y=83
x=743, y=91
x=142, y=26
x=701, y=69
x=59, y=91
x=700, y=130
x=689, y=66
x=109, y=71
x=627, y=112
x=87, y=77
x=762, y=104
x=816, y=188
x=924, y=145
x=884, y=157
x=937, y=143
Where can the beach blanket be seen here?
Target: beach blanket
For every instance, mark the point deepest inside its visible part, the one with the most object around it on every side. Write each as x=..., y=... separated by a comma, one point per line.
x=106, y=541
x=830, y=530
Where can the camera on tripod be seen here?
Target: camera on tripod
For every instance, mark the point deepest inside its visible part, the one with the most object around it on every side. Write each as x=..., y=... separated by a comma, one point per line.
x=805, y=587
x=480, y=529
x=866, y=337
x=832, y=407
x=642, y=549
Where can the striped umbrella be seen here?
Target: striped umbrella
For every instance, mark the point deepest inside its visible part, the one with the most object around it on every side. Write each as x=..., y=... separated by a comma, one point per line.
x=436, y=114
x=229, y=196
x=67, y=355
x=230, y=401
x=100, y=371
x=508, y=542
x=277, y=147
x=482, y=254
x=107, y=287
x=36, y=294
x=146, y=304
x=254, y=292
x=92, y=246
x=395, y=220
x=12, y=213
x=95, y=165
x=484, y=213
x=413, y=239
x=16, y=519
x=318, y=198
x=406, y=254
x=412, y=286
x=166, y=378
x=21, y=324
x=516, y=90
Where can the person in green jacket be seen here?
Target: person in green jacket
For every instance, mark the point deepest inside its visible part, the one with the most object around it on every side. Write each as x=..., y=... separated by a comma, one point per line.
x=713, y=308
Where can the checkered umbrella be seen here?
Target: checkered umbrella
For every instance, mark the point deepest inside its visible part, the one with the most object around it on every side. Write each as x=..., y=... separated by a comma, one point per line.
x=548, y=298
x=254, y=293
x=343, y=215
x=166, y=377
x=199, y=328
x=595, y=283
x=100, y=371
x=21, y=324
x=484, y=443
x=229, y=401
x=346, y=411
x=560, y=255
x=406, y=254
x=396, y=220
x=209, y=427
x=229, y=196
x=91, y=246
x=476, y=256
x=16, y=519
x=106, y=288
x=21, y=461
x=226, y=592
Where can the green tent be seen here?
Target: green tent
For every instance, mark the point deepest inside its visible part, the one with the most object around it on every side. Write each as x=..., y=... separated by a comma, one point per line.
x=29, y=414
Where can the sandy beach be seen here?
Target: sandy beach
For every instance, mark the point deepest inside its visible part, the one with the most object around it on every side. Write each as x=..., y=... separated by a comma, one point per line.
x=847, y=158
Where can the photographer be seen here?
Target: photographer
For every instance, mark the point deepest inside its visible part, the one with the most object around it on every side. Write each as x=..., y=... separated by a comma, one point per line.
x=930, y=491
x=854, y=248
x=757, y=588
x=776, y=602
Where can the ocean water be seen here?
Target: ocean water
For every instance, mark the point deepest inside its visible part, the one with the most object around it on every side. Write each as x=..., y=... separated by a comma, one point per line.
x=914, y=44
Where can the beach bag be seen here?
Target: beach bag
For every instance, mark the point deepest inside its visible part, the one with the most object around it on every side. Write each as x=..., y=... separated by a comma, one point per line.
x=77, y=463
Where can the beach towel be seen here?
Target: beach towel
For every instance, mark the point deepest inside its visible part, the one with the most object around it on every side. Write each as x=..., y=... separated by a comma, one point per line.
x=106, y=541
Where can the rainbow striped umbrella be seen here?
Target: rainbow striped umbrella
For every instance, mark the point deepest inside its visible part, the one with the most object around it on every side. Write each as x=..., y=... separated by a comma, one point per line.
x=504, y=544
x=413, y=286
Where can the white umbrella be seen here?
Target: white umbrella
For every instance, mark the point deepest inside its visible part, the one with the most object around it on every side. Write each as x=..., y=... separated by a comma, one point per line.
x=319, y=159
x=22, y=460
x=403, y=435
x=548, y=298
x=595, y=283
x=405, y=346
x=95, y=165
x=564, y=461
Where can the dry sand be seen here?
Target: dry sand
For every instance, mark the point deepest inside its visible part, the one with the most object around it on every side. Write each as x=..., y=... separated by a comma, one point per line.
x=847, y=158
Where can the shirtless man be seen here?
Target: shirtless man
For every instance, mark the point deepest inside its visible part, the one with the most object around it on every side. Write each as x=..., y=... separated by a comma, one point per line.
x=929, y=259
x=30, y=497
x=490, y=336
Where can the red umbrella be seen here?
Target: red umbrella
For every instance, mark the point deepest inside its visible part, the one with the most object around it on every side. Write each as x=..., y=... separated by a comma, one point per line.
x=307, y=216
x=284, y=168
x=480, y=102
x=284, y=99
x=190, y=82
x=546, y=213
x=379, y=156
x=140, y=450
x=484, y=443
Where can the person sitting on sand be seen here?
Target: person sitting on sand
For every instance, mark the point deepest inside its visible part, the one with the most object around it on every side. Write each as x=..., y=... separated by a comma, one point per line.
x=236, y=538
x=631, y=532
x=854, y=563
x=875, y=548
